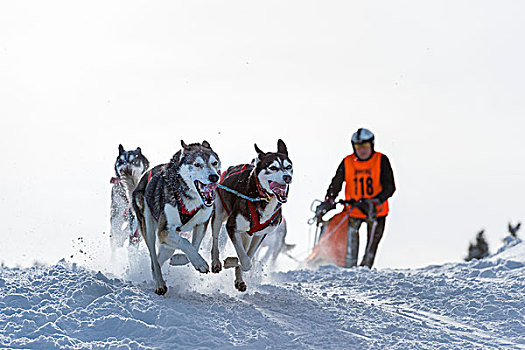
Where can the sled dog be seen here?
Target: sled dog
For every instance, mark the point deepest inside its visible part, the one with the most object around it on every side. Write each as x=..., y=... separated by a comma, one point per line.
x=174, y=198
x=129, y=166
x=250, y=202
x=275, y=245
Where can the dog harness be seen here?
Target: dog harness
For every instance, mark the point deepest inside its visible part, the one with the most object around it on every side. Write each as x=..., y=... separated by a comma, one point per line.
x=115, y=180
x=255, y=220
x=184, y=214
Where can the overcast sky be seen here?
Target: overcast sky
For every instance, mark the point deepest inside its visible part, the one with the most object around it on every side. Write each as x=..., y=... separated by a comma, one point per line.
x=440, y=83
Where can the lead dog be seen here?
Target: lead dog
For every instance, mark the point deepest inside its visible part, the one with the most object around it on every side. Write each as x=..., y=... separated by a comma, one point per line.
x=173, y=198
x=129, y=166
x=250, y=202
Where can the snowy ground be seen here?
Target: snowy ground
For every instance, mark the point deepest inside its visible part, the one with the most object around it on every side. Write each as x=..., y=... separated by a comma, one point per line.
x=476, y=305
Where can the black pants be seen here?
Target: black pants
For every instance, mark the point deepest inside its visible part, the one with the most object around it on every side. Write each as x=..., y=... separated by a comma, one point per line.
x=373, y=239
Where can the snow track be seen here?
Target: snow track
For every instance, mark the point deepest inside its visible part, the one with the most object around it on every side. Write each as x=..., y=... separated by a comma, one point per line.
x=473, y=305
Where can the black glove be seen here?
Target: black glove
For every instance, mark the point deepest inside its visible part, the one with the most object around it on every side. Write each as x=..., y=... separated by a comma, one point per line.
x=324, y=207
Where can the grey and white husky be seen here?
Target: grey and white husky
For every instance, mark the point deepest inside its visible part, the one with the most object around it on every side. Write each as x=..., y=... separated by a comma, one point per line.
x=275, y=244
x=250, y=202
x=174, y=198
x=129, y=166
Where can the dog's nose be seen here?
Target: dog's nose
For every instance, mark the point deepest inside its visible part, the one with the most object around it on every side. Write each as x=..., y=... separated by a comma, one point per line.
x=213, y=178
x=287, y=178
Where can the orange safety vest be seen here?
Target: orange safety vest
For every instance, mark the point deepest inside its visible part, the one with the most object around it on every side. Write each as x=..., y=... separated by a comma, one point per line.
x=363, y=181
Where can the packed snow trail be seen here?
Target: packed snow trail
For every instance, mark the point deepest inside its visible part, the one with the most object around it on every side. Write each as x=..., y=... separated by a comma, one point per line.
x=480, y=304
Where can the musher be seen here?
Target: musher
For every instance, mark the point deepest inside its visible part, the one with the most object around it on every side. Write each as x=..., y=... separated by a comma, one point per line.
x=369, y=183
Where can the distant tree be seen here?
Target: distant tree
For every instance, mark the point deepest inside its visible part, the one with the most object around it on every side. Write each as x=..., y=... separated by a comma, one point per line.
x=514, y=230
x=479, y=250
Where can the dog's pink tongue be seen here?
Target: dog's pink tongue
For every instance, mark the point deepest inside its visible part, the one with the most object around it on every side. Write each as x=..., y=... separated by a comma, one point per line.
x=278, y=188
x=208, y=191
x=211, y=187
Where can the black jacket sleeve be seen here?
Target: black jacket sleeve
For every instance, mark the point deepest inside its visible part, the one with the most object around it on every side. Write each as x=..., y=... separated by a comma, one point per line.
x=387, y=180
x=337, y=182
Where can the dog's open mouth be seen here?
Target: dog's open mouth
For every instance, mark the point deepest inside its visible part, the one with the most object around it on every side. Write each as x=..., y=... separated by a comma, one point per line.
x=207, y=192
x=280, y=190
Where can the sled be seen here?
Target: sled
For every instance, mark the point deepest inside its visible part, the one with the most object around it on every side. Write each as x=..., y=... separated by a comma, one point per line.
x=332, y=243
x=332, y=240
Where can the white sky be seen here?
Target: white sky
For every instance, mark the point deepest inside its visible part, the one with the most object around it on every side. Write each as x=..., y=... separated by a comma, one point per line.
x=440, y=83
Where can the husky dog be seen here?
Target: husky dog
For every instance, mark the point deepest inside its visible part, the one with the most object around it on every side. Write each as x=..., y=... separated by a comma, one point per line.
x=174, y=198
x=250, y=202
x=275, y=244
x=129, y=166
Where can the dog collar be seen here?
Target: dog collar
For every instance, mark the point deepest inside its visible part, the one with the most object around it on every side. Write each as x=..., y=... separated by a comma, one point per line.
x=115, y=180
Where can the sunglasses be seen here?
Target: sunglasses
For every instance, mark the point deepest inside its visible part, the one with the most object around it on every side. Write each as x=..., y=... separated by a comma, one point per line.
x=362, y=145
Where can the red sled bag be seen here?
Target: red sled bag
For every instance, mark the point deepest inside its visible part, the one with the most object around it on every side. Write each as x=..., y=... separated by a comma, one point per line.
x=333, y=244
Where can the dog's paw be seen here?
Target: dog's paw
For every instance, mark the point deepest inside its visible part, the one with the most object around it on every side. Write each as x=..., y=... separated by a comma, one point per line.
x=161, y=290
x=199, y=263
x=216, y=266
x=230, y=262
x=179, y=259
x=240, y=286
x=204, y=269
x=202, y=266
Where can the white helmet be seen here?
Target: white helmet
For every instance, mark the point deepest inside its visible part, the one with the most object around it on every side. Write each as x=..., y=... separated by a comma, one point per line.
x=363, y=135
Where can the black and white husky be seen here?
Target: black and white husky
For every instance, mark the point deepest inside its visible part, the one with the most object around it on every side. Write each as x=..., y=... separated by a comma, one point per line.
x=174, y=198
x=129, y=165
x=250, y=202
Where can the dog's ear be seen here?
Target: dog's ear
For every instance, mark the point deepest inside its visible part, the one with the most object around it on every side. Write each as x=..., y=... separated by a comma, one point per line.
x=206, y=144
x=281, y=147
x=183, y=144
x=139, y=150
x=120, y=149
x=177, y=157
x=260, y=154
x=258, y=150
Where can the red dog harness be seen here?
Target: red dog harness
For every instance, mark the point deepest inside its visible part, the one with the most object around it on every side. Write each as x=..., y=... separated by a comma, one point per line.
x=255, y=221
x=184, y=214
x=115, y=180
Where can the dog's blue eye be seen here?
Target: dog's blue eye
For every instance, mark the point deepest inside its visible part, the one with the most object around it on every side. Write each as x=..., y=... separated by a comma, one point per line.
x=288, y=167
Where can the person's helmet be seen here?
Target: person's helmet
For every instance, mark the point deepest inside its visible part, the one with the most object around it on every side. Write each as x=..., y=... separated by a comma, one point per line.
x=363, y=135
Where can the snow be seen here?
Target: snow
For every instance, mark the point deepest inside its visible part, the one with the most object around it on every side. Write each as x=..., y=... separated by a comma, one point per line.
x=472, y=305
